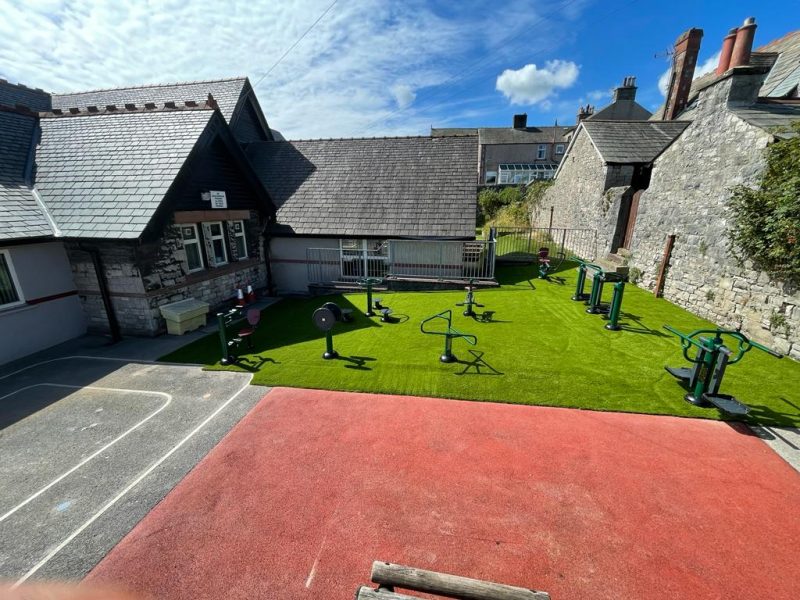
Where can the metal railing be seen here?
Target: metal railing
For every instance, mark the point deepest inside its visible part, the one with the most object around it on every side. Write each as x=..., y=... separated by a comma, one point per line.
x=407, y=259
x=440, y=259
x=521, y=244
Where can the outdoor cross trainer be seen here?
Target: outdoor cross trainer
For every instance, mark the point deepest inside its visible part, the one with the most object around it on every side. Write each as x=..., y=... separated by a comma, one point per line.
x=324, y=319
x=704, y=377
x=595, y=298
x=580, y=295
x=449, y=335
x=369, y=283
x=469, y=300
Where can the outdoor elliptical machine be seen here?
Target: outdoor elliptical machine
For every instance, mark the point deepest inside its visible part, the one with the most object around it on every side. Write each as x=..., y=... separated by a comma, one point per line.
x=595, y=297
x=449, y=335
x=712, y=356
x=469, y=300
x=324, y=318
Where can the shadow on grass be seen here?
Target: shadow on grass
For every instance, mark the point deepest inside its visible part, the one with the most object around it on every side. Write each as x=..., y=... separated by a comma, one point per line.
x=642, y=328
x=253, y=366
x=359, y=363
x=480, y=366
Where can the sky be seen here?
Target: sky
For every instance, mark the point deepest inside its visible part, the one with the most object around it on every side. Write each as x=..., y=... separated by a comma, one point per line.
x=377, y=67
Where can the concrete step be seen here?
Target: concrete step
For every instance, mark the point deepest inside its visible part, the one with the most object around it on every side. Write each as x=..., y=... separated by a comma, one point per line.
x=617, y=258
x=610, y=266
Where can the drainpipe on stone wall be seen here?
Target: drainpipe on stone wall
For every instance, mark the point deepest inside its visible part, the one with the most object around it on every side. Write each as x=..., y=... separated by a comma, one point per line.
x=113, y=324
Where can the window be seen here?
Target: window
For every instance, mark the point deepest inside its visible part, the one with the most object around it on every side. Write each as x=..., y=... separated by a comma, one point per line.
x=9, y=287
x=542, y=152
x=491, y=176
x=519, y=174
x=215, y=244
x=191, y=245
x=239, y=244
x=559, y=148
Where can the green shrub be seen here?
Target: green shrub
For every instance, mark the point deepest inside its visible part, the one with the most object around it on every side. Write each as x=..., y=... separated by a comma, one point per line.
x=765, y=224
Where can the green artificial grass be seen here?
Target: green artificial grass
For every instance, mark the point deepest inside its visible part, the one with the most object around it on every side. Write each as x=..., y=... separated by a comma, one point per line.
x=541, y=348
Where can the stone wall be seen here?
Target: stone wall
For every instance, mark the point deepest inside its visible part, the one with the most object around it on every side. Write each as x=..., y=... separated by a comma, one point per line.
x=580, y=196
x=143, y=277
x=687, y=196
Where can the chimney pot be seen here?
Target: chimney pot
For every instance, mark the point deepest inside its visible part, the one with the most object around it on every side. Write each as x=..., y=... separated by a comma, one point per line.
x=743, y=45
x=521, y=121
x=726, y=51
x=627, y=91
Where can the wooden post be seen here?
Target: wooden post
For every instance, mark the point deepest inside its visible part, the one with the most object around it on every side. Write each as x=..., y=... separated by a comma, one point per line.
x=388, y=575
x=662, y=269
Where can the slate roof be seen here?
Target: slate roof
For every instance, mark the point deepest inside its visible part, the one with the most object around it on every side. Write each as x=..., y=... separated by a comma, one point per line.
x=104, y=175
x=632, y=141
x=225, y=91
x=529, y=135
x=621, y=110
x=775, y=118
x=12, y=94
x=20, y=215
x=382, y=187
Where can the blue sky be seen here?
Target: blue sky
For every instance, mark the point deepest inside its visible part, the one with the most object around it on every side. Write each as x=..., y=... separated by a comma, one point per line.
x=374, y=67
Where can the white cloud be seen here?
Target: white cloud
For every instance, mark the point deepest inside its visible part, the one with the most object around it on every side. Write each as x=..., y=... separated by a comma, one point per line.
x=706, y=67
x=597, y=95
x=404, y=95
x=367, y=61
x=531, y=84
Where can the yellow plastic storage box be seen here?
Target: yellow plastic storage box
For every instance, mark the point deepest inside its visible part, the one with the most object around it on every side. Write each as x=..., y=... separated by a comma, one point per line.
x=185, y=315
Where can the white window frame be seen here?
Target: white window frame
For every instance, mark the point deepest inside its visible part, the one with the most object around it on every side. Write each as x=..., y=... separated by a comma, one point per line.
x=559, y=148
x=198, y=242
x=239, y=235
x=14, y=282
x=210, y=238
x=541, y=152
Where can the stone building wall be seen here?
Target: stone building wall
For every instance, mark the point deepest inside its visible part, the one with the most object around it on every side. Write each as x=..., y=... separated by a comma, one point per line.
x=586, y=195
x=141, y=278
x=687, y=196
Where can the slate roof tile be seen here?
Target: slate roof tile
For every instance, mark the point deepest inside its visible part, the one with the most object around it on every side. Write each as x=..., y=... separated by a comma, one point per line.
x=403, y=187
x=632, y=141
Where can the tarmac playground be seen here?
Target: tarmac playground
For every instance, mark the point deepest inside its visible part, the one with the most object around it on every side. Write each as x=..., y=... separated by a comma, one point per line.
x=114, y=470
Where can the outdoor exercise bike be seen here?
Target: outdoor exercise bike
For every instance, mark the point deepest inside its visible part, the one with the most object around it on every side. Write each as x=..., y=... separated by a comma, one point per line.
x=369, y=283
x=449, y=335
x=546, y=263
x=469, y=300
x=324, y=318
x=712, y=356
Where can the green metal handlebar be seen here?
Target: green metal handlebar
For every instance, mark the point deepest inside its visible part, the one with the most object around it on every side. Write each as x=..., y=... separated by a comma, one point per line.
x=744, y=343
x=447, y=315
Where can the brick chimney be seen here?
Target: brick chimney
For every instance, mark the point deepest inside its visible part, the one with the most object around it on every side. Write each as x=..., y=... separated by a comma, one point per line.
x=584, y=112
x=627, y=91
x=743, y=45
x=727, y=50
x=521, y=121
x=684, y=60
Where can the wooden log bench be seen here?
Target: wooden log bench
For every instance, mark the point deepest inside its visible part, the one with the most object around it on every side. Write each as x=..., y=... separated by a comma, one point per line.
x=389, y=576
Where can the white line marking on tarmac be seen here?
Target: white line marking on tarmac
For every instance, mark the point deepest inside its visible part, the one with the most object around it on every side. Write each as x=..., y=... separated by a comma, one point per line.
x=101, y=450
x=128, y=488
x=82, y=357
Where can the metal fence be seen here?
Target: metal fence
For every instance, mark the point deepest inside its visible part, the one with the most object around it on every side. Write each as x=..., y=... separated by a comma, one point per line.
x=521, y=244
x=406, y=259
x=441, y=259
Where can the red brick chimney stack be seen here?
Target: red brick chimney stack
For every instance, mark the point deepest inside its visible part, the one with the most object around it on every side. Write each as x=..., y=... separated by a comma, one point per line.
x=727, y=50
x=743, y=45
x=684, y=60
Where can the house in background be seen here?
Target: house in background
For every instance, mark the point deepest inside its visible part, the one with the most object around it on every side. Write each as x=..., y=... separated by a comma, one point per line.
x=514, y=155
x=723, y=122
x=339, y=200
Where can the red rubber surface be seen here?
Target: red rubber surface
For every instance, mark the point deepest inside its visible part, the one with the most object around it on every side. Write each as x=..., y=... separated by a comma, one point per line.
x=312, y=486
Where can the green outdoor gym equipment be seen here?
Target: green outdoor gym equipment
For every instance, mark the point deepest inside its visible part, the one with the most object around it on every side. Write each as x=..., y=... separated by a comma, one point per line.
x=580, y=295
x=449, y=334
x=324, y=318
x=712, y=356
x=369, y=283
x=469, y=300
x=228, y=345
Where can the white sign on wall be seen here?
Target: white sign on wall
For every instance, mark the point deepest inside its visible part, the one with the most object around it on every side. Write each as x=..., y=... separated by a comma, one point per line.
x=218, y=199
